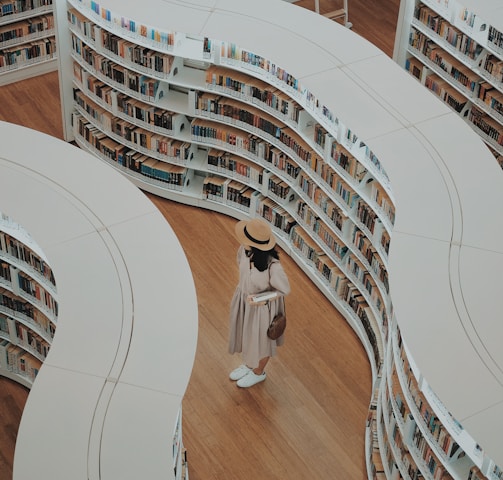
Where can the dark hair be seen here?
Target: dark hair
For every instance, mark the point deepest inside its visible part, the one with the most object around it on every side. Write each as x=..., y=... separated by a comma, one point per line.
x=262, y=258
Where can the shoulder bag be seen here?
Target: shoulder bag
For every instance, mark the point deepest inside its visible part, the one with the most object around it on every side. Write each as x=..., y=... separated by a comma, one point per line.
x=277, y=325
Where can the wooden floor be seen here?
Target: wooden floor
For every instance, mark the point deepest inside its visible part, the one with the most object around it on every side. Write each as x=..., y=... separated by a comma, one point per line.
x=306, y=421
x=12, y=400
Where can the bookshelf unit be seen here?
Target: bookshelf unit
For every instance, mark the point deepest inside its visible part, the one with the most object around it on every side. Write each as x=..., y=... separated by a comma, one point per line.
x=199, y=109
x=106, y=402
x=28, y=304
x=27, y=39
x=455, y=49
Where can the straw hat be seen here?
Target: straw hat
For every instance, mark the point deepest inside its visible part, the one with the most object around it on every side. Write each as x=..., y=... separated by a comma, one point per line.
x=255, y=233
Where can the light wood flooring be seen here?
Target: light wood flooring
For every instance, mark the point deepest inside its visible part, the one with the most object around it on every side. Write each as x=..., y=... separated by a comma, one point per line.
x=307, y=420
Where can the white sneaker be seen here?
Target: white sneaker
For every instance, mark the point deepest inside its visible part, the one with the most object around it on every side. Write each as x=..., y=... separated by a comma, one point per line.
x=239, y=372
x=250, y=379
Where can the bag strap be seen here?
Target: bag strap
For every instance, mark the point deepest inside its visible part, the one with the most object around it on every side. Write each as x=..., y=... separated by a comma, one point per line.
x=269, y=269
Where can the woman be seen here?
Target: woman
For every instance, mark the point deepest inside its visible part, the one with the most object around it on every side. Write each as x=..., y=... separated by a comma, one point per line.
x=259, y=271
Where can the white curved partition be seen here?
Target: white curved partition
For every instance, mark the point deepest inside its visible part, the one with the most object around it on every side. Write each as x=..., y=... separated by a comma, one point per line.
x=445, y=250
x=106, y=401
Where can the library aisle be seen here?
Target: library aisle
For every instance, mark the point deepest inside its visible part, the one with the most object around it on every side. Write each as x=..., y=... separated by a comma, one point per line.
x=311, y=401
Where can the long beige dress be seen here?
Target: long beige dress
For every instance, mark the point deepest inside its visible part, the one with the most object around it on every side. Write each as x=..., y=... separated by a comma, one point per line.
x=248, y=323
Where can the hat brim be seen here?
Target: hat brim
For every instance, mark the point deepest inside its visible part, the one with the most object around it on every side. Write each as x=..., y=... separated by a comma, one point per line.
x=239, y=230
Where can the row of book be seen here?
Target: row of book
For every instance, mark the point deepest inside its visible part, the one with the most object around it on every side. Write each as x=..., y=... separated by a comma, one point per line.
x=30, y=340
x=125, y=79
x=383, y=201
x=136, y=110
x=367, y=216
x=495, y=37
x=155, y=144
x=446, y=92
x=278, y=187
x=5, y=273
x=15, y=306
x=331, y=210
x=491, y=66
x=213, y=105
x=352, y=295
x=234, y=165
x=276, y=215
x=234, y=52
x=372, y=257
x=387, y=448
x=327, y=174
x=151, y=62
x=424, y=411
x=14, y=7
x=347, y=162
x=491, y=96
x=486, y=124
x=12, y=248
x=467, y=16
x=19, y=361
x=14, y=32
x=233, y=81
x=440, y=448
x=131, y=27
x=321, y=231
x=416, y=456
x=452, y=35
x=13, y=303
x=487, y=93
x=158, y=62
x=437, y=432
x=39, y=295
x=144, y=112
x=444, y=60
x=43, y=49
x=364, y=277
x=170, y=174
x=375, y=466
x=339, y=154
x=364, y=315
x=228, y=192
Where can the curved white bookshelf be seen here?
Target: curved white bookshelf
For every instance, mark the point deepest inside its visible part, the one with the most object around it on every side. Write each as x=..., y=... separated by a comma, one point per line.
x=442, y=180
x=108, y=386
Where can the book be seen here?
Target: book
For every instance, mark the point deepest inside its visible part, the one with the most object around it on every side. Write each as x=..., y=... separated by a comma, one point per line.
x=263, y=297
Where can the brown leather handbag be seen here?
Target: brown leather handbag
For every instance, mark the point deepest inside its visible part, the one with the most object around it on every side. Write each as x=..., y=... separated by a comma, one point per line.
x=278, y=323
x=277, y=326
